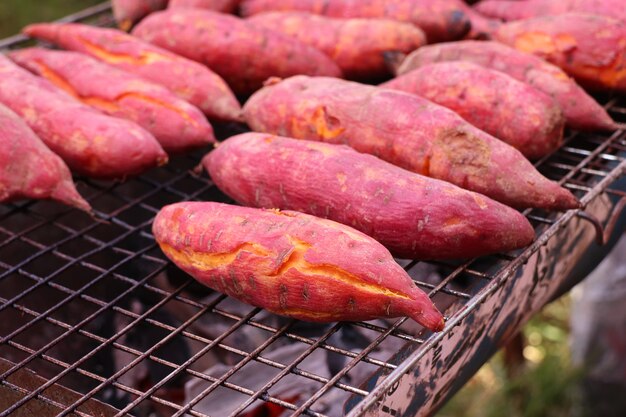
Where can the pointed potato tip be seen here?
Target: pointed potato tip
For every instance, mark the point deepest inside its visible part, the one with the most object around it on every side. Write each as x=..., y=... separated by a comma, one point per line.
x=66, y=193
x=162, y=159
x=565, y=200
x=429, y=317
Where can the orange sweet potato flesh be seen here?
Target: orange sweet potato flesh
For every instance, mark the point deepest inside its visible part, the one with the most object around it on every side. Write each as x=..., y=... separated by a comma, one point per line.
x=581, y=111
x=127, y=12
x=28, y=169
x=415, y=217
x=515, y=10
x=490, y=100
x=290, y=263
x=356, y=45
x=189, y=80
x=89, y=142
x=406, y=130
x=224, y=6
x=441, y=20
x=590, y=48
x=176, y=124
x=240, y=52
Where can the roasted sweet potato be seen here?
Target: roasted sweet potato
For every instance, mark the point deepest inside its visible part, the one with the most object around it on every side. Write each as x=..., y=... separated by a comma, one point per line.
x=581, y=111
x=590, y=48
x=515, y=10
x=28, y=169
x=441, y=20
x=490, y=100
x=356, y=45
x=240, y=52
x=407, y=131
x=127, y=12
x=176, y=124
x=290, y=263
x=414, y=216
x=90, y=142
x=224, y=6
x=191, y=81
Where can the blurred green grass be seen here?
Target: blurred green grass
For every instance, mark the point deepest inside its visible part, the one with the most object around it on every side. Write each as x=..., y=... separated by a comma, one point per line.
x=15, y=14
x=547, y=385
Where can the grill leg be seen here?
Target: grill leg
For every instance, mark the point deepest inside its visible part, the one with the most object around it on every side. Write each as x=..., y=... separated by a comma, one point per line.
x=514, y=356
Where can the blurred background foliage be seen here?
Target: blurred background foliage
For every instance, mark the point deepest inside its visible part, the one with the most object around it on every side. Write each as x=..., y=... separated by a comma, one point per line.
x=14, y=14
x=545, y=385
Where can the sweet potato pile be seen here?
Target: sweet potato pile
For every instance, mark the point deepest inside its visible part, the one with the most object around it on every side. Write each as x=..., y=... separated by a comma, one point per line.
x=441, y=20
x=581, y=110
x=490, y=100
x=407, y=131
x=191, y=81
x=415, y=217
x=243, y=54
x=591, y=48
x=356, y=45
x=430, y=170
x=90, y=142
x=176, y=124
x=508, y=10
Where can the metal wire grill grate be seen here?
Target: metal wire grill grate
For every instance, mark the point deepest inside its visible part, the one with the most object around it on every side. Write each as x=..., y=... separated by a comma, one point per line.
x=94, y=306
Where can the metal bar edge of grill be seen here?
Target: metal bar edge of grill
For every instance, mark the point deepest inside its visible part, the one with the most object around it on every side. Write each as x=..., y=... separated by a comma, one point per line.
x=95, y=321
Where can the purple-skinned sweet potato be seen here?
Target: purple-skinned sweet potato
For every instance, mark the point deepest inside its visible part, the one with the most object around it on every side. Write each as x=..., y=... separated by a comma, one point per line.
x=90, y=143
x=415, y=217
x=490, y=100
x=28, y=169
x=127, y=12
x=581, y=111
x=356, y=45
x=406, y=130
x=243, y=54
x=224, y=6
x=176, y=124
x=290, y=263
x=508, y=10
x=441, y=20
x=591, y=48
x=189, y=80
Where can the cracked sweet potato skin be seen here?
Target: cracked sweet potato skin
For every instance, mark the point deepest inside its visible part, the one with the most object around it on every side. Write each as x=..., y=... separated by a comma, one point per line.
x=89, y=142
x=581, y=111
x=224, y=6
x=507, y=10
x=176, y=124
x=356, y=45
x=490, y=100
x=244, y=55
x=189, y=80
x=406, y=130
x=127, y=12
x=441, y=20
x=290, y=263
x=28, y=169
x=590, y=48
x=415, y=217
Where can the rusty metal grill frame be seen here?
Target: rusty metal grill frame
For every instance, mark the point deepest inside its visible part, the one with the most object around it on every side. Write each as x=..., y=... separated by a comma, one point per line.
x=587, y=164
